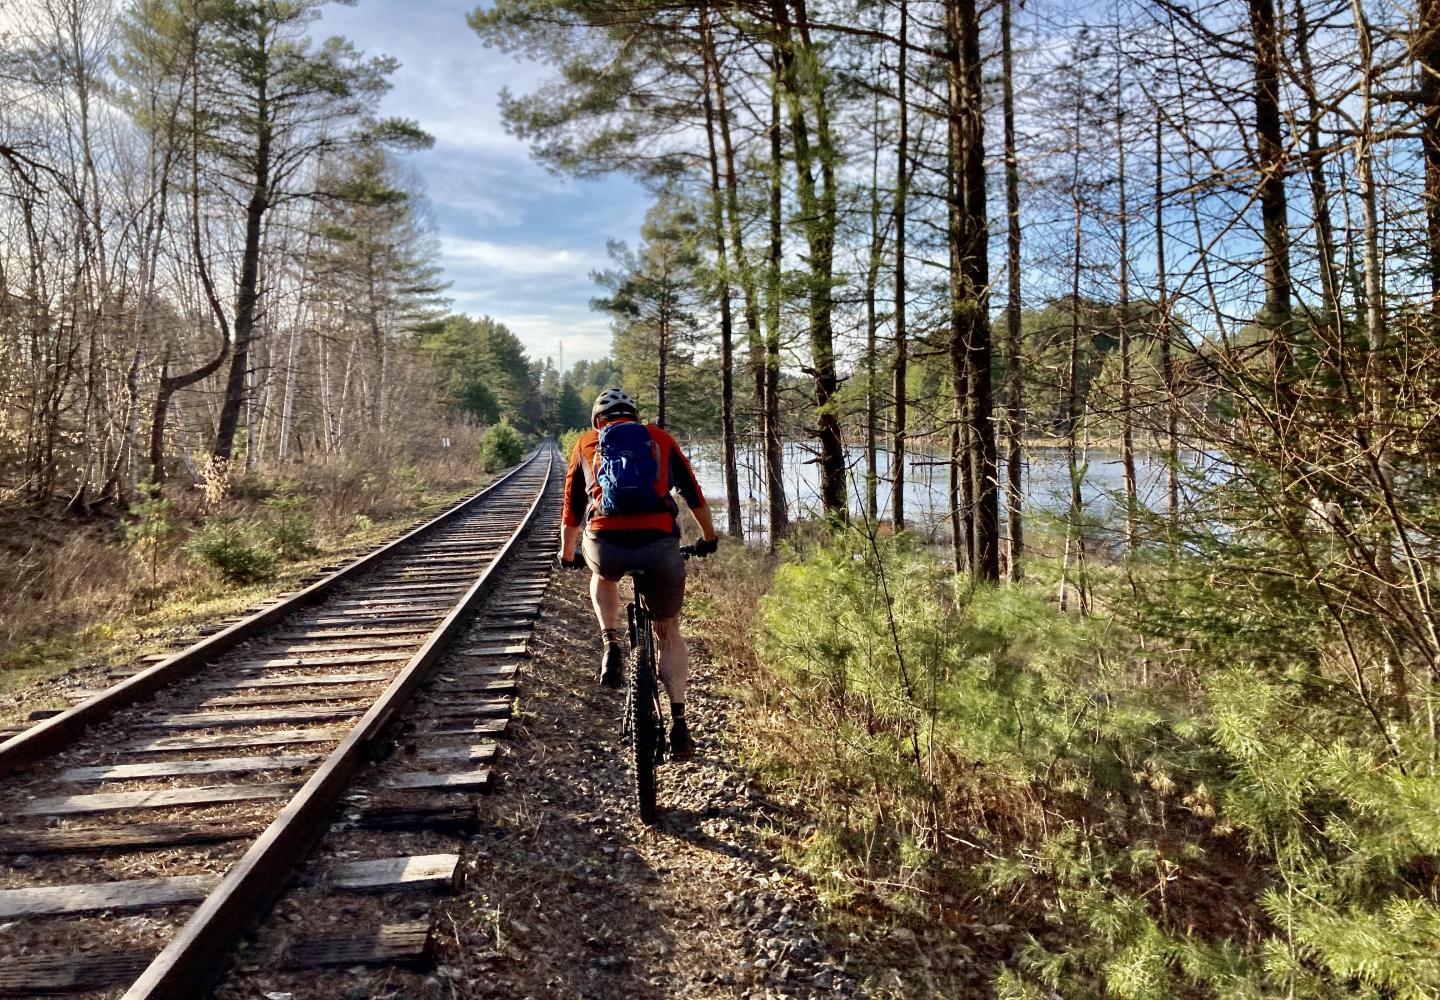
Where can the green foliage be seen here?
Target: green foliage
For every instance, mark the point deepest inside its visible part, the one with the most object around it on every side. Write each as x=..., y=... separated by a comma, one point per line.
x=590, y=378
x=654, y=296
x=152, y=525
x=567, y=442
x=486, y=373
x=1259, y=774
x=501, y=447
x=997, y=671
x=233, y=547
x=373, y=246
x=290, y=528
x=572, y=412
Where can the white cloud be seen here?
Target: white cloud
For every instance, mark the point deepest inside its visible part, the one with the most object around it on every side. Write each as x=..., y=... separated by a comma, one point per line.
x=516, y=259
x=447, y=80
x=485, y=190
x=587, y=336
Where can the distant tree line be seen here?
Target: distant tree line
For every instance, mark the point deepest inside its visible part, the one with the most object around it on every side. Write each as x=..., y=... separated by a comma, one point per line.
x=486, y=376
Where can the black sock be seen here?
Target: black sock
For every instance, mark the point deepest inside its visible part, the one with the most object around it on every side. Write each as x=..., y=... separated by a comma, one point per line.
x=610, y=636
x=677, y=710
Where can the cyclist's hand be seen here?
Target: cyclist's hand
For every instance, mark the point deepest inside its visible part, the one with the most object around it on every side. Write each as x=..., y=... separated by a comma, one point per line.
x=705, y=546
x=574, y=562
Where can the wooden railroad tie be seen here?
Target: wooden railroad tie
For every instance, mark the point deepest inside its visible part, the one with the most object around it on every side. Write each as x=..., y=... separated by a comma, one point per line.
x=427, y=872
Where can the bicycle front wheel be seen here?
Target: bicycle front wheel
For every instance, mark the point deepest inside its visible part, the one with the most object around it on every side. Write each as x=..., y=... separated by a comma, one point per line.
x=644, y=733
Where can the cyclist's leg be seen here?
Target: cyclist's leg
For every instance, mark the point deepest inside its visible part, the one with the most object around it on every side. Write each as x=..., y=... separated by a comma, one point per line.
x=605, y=579
x=675, y=673
x=664, y=590
x=674, y=658
x=605, y=596
x=606, y=572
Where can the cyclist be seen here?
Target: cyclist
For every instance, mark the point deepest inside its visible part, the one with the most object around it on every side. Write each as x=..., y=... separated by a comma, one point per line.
x=617, y=492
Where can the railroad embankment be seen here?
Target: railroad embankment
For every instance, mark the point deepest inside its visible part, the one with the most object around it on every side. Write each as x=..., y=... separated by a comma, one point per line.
x=95, y=592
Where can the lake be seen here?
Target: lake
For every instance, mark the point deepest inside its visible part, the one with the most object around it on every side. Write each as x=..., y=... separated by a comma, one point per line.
x=1046, y=484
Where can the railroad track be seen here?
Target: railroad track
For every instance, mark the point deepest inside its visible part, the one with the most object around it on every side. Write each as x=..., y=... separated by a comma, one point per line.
x=143, y=831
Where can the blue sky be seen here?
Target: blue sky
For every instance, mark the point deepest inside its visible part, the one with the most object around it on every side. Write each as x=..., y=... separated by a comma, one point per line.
x=517, y=242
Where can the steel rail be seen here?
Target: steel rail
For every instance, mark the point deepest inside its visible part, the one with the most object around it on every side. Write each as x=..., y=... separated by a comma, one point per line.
x=195, y=957
x=56, y=733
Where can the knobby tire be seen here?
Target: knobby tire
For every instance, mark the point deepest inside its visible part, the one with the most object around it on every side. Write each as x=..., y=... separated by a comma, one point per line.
x=645, y=732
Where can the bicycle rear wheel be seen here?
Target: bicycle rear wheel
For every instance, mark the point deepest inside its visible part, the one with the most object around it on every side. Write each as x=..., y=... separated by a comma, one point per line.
x=644, y=731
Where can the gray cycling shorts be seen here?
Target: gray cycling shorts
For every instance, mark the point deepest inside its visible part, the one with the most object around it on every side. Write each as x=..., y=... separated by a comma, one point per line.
x=662, y=583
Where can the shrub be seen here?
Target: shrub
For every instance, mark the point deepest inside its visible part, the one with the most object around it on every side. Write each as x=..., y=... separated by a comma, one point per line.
x=1108, y=772
x=567, y=441
x=147, y=533
x=215, y=481
x=501, y=448
x=229, y=546
x=291, y=530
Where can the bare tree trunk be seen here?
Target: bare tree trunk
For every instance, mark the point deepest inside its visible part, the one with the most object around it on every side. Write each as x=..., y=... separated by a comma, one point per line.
x=1375, y=428
x=727, y=354
x=287, y=405
x=1319, y=195
x=247, y=291
x=758, y=357
x=959, y=486
x=1074, y=535
x=974, y=260
x=872, y=391
x=90, y=291
x=1427, y=58
x=1127, y=400
x=1163, y=338
x=1014, y=383
x=902, y=184
x=120, y=483
x=779, y=511
x=169, y=385
x=818, y=207
x=1270, y=146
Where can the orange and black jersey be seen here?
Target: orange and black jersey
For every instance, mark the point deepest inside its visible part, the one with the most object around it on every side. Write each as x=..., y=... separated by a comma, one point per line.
x=582, y=488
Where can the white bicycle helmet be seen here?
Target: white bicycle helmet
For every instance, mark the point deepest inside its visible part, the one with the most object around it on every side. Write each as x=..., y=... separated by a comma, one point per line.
x=613, y=403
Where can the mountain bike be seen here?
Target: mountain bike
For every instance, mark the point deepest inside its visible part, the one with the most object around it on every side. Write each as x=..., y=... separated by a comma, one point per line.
x=644, y=722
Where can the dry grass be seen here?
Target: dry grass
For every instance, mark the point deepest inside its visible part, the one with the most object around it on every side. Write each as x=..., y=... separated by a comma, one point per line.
x=78, y=593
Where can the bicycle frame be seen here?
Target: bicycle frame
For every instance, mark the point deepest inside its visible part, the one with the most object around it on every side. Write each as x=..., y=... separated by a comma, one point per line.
x=644, y=720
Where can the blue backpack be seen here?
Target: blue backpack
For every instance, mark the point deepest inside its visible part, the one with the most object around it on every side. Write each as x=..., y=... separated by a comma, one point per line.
x=628, y=469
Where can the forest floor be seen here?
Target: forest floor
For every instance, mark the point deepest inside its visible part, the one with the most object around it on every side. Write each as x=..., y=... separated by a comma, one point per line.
x=571, y=896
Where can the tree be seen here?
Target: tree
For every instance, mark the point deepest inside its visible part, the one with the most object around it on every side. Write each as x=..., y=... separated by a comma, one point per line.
x=374, y=265
x=129, y=142
x=971, y=333
x=801, y=78
x=1014, y=384
x=272, y=104
x=651, y=298
x=571, y=411
x=902, y=183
